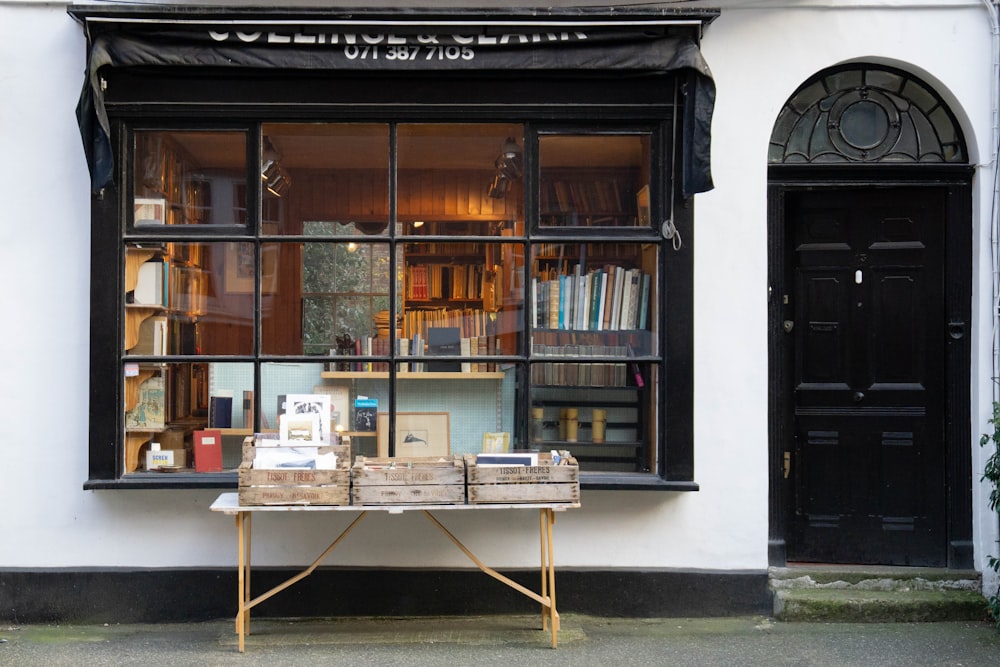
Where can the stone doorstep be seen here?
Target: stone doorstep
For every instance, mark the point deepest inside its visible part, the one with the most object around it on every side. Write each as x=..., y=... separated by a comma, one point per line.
x=859, y=606
x=876, y=594
x=873, y=577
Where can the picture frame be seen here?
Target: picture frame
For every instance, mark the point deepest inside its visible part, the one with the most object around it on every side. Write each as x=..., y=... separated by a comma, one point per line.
x=340, y=404
x=496, y=442
x=418, y=434
x=239, y=270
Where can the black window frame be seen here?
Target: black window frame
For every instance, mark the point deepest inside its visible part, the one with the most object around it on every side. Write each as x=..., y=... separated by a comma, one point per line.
x=157, y=100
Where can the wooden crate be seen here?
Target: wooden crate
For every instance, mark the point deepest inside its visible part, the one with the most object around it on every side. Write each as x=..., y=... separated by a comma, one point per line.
x=295, y=486
x=542, y=483
x=408, y=481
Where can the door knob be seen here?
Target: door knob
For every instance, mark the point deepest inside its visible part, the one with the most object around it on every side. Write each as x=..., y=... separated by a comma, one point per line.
x=858, y=396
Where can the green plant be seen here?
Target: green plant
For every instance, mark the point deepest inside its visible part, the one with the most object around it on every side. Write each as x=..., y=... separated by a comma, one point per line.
x=991, y=472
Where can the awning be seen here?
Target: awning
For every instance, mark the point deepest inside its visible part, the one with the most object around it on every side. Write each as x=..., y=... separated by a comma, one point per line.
x=404, y=40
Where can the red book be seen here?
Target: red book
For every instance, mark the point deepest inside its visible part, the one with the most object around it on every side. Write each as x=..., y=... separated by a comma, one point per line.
x=208, y=450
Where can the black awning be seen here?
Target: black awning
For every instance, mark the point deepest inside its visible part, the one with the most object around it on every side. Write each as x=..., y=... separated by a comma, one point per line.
x=403, y=41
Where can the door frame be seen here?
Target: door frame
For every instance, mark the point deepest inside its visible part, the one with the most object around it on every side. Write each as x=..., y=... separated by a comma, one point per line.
x=957, y=182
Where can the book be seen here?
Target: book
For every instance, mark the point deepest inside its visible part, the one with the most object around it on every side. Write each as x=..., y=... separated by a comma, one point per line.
x=631, y=318
x=149, y=412
x=248, y=408
x=149, y=285
x=524, y=459
x=600, y=287
x=444, y=341
x=220, y=412
x=208, y=450
x=496, y=443
x=153, y=338
x=365, y=414
x=644, y=301
x=465, y=349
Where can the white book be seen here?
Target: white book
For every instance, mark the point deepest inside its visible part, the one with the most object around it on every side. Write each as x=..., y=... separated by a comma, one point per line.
x=623, y=322
x=534, y=302
x=465, y=349
x=588, y=286
x=149, y=285
x=582, y=305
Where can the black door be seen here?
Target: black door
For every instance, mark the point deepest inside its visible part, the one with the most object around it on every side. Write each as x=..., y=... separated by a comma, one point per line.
x=867, y=328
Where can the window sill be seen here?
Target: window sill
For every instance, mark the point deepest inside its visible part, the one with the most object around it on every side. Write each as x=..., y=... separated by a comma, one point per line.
x=618, y=481
x=609, y=481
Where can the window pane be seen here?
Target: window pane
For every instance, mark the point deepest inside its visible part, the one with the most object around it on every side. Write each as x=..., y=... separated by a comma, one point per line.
x=594, y=294
x=165, y=404
x=472, y=404
x=190, y=178
x=189, y=298
x=594, y=180
x=594, y=320
x=334, y=172
x=335, y=290
x=475, y=289
x=609, y=428
x=459, y=179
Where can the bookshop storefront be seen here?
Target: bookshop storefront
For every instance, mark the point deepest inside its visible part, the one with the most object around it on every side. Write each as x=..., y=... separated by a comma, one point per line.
x=442, y=234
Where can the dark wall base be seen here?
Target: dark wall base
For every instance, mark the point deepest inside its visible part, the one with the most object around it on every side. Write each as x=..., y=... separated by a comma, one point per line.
x=144, y=596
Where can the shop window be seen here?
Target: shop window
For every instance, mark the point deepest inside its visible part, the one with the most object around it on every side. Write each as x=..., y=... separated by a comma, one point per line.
x=440, y=283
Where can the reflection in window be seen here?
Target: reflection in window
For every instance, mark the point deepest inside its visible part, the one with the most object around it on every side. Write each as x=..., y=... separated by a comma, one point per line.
x=593, y=180
x=189, y=178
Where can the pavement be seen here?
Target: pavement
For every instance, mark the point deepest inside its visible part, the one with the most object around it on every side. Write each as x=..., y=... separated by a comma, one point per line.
x=506, y=640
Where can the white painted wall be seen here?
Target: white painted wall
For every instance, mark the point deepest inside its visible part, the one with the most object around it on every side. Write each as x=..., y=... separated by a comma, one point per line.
x=758, y=57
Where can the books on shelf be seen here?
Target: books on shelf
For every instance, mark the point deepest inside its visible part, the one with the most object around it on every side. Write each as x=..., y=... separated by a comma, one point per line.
x=588, y=358
x=444, y=281
x=611, y=298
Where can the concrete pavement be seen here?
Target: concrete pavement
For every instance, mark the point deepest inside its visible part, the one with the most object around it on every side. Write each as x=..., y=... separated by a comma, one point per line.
x=506, y=640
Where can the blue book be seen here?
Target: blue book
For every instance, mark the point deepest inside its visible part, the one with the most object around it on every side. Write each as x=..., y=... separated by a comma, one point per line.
x=644, y=301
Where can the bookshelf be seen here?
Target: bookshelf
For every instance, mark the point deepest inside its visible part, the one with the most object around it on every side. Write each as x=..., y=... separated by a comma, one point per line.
x=623, y=415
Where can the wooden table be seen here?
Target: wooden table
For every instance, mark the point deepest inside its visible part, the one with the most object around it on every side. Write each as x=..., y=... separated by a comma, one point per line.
x=228, y=503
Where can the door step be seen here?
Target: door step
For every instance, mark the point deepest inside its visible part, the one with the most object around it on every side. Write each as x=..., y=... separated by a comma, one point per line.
x=876, y=594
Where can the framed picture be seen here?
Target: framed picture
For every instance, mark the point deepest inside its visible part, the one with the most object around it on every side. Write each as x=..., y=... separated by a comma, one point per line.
x=642, y=204
x=240, y=268
x=496, y=442
x=340, y=403
x=417, y=434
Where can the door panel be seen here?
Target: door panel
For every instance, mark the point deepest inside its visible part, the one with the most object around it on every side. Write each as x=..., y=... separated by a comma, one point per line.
x=868, y=337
